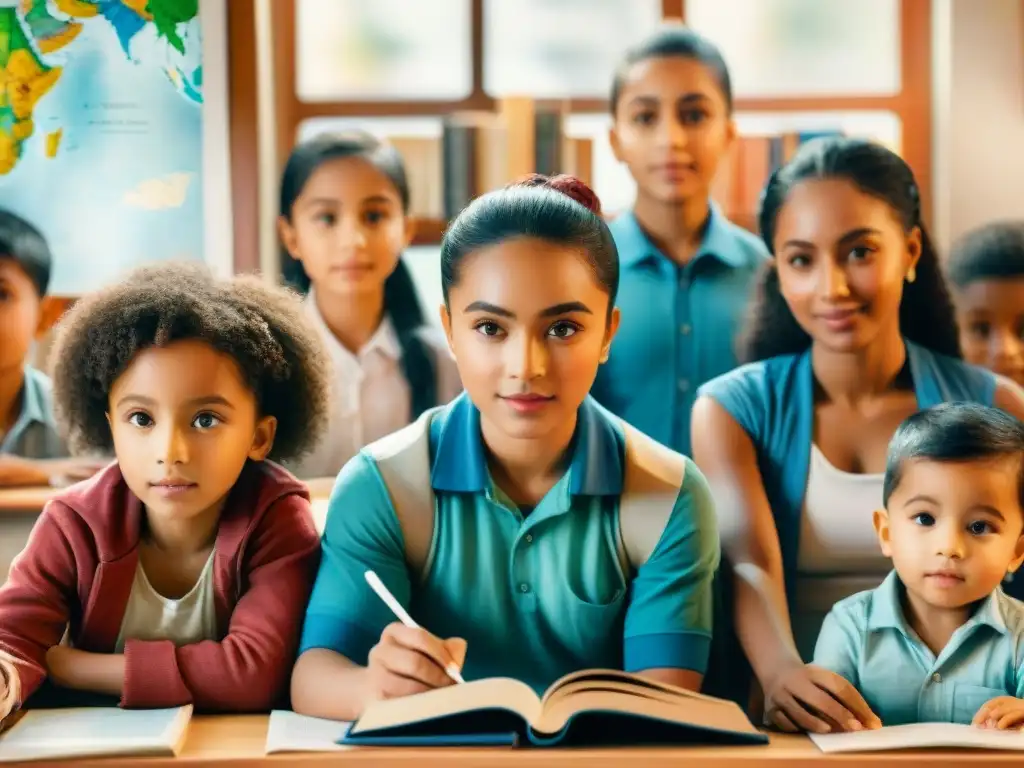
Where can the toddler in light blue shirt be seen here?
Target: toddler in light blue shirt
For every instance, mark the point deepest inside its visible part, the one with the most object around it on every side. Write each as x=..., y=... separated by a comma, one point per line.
x=939, y=641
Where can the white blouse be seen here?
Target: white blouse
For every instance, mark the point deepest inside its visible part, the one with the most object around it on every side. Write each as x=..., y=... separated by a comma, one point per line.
x=370, y=394
x=839, y=551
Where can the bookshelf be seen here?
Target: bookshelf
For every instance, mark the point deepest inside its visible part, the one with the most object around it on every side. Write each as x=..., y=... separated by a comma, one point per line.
x=501, y=131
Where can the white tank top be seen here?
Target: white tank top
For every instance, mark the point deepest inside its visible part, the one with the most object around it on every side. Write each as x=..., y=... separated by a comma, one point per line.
x=151, y=616
x=839, y=552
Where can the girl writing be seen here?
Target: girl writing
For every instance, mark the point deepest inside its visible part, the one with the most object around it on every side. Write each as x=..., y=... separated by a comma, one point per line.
x=512, y=562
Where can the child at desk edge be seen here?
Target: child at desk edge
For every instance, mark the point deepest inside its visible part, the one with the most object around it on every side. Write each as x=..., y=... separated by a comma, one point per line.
x=939, y=641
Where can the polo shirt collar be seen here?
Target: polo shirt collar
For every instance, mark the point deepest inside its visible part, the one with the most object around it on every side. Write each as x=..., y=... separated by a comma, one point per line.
x=460, y=463
x=33, y=409
x=635, y=247
x=886, y=611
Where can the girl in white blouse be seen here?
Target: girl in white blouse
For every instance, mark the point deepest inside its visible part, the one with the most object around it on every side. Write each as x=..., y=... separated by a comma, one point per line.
x=344, y=224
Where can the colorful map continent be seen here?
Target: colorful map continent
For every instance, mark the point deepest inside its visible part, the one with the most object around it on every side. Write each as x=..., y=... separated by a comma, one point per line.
x=24, y=80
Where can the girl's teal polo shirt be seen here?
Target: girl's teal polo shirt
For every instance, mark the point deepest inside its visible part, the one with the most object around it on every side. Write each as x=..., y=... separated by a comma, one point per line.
x=535, y=596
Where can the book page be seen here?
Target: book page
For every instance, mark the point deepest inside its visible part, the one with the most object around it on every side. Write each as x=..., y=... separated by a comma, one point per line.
x=492, y=693
x=617, y=678
x=919, y=736
x=291, y=732
x=66, y=733
x=717, y=714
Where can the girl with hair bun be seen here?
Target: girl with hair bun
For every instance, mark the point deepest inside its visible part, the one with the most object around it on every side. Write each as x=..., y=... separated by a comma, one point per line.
x=852, y=331
x=528, y=531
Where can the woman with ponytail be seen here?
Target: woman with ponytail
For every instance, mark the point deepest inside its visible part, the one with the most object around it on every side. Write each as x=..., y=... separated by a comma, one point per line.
x=852, y=330
x=522, y=522
x=344, y=224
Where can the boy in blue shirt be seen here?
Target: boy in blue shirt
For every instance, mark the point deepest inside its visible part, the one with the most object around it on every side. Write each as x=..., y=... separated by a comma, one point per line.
x=939, y=641
x=31, y=451
x=686, y=270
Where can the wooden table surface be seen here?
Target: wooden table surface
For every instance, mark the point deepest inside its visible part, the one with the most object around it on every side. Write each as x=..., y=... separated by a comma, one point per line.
x=25, y=501
x=236, y=741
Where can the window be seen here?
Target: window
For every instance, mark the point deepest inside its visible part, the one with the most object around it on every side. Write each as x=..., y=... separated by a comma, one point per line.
x=529, y=49
x=382, y=50
x=805, y=47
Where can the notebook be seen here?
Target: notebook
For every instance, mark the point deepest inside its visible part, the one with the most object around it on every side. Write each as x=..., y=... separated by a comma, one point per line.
x=55, y=734
x=291, y=732
x=592, y=707
x=919, y=736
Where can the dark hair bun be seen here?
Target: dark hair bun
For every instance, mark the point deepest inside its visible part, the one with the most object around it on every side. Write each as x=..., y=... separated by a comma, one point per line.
x=568, y=185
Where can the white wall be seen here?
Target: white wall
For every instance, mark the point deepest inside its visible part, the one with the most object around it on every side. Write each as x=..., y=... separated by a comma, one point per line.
x=978, y=103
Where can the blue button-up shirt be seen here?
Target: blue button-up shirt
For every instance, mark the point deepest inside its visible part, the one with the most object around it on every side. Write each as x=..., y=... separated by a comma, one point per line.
x=34, y=433
x=678, y=327
x=867, y=640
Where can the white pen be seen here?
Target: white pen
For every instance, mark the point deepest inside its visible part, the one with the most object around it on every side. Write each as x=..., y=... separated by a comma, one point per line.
x=451, y=668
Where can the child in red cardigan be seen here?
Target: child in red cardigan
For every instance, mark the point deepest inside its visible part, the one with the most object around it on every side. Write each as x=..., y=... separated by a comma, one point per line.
x=182, y=570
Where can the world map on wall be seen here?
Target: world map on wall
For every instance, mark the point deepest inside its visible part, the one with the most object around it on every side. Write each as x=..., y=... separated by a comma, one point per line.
x=101, y=131
x=26, y=78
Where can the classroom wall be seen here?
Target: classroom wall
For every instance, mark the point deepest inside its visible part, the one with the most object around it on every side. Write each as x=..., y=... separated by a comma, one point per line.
x=978, y=102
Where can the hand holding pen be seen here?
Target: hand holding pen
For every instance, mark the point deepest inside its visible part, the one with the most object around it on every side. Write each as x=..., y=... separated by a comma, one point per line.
x=408, y=659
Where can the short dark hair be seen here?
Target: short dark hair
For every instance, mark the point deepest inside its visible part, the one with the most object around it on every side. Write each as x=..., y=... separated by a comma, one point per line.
x=994, y=251
x=401, y=300
x=26, y=246
x=560, y=209
x=953, y=432
x=926, y=312
x=264, y=328
x=674, y=40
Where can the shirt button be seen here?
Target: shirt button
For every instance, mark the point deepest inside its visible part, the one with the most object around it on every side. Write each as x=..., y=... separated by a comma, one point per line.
x=685, y=329
x=524, y=588
x=684, y=385
x=529, y=538
x=936, y=678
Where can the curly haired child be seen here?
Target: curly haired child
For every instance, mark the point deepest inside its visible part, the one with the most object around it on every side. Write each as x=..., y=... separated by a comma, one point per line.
x=182, y=570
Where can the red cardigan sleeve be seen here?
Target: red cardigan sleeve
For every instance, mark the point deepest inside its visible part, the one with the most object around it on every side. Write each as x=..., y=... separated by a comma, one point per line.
x=35, y=602
x=249, y=670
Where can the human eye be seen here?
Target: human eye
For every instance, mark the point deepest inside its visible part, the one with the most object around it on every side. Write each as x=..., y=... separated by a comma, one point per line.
x=980, y=329
x=693, y=116
x=924, y=519
x=799, y=260
x=326, y=218
x=375, y=217
x=645, y=117
x=140, y=419
x=564, y=329
x=980, y=527
x=206, y=420
x=861, y=253
x=488, y=328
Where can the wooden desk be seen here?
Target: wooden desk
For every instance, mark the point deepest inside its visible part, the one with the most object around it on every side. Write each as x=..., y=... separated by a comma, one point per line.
x=237, y=741
x=25, y=500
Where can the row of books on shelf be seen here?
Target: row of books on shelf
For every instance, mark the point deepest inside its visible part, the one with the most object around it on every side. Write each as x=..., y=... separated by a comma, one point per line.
x=479, y=152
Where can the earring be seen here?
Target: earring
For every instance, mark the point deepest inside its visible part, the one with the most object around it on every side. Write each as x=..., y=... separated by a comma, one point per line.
x=912, y=274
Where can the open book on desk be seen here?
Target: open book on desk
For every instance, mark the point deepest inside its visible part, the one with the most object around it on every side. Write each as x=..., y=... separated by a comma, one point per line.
x=58, y=734
x=592, y=707
x=919, y=736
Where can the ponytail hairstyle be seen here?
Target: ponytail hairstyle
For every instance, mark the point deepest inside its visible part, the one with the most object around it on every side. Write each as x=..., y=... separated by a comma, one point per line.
x=559, y=209
x=926, y=310
x=401, y=300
